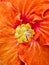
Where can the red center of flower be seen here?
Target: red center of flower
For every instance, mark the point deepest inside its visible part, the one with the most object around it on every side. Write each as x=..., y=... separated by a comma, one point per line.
x=23, y=19
x=34, y=24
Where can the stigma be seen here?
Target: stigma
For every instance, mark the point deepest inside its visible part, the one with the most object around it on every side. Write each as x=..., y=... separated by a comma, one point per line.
x=24, y=33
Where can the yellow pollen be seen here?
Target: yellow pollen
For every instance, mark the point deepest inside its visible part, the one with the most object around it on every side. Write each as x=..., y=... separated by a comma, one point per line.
x=24, y=33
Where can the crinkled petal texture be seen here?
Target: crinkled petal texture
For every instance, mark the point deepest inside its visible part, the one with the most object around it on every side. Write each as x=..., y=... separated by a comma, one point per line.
x=35, y=52
x=8, y=42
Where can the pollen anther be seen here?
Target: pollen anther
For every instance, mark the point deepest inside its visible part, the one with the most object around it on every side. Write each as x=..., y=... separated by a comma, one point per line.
x=24, y=33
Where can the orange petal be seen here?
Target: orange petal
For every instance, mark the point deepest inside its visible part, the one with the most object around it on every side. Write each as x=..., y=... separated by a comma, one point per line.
x=9, y=51
x=35, y=54
x=8, y=42
x=7, y=14
x=15, y=3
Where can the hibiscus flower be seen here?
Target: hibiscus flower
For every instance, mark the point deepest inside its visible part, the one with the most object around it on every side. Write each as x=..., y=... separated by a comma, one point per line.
x=24, y=32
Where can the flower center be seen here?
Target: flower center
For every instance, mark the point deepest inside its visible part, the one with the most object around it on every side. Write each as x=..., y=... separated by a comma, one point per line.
x=24, y=33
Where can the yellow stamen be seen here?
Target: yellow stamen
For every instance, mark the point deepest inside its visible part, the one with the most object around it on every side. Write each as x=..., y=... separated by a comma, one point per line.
x=24, y=33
